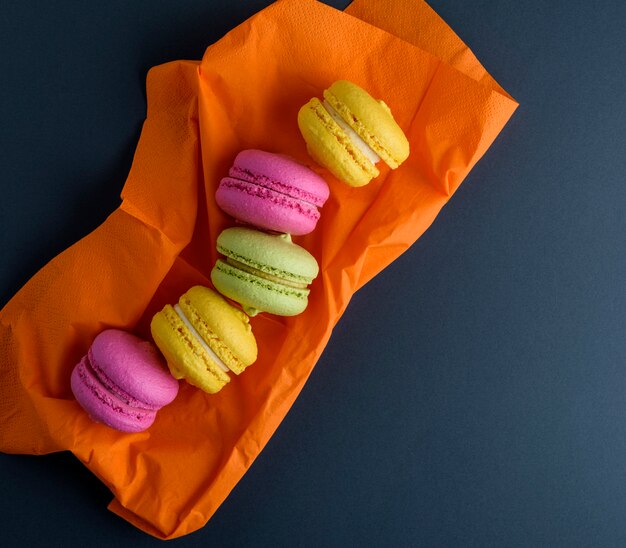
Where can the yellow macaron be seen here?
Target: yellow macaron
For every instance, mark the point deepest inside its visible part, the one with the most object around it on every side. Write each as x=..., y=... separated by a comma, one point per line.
x=203, y=338
x=350, y=131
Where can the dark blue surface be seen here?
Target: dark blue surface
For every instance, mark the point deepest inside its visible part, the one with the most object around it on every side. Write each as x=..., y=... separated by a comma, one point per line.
x=474, y=394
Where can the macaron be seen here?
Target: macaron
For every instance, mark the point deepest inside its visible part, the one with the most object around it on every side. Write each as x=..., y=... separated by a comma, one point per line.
x=349, y=132
x=204, y=338
x=263, y=272
x=272, y=192
x=122, y=381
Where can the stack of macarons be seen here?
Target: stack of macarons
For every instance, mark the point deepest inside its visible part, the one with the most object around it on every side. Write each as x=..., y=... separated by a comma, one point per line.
x=348, y=133
x=123, y=381
x=276, y=197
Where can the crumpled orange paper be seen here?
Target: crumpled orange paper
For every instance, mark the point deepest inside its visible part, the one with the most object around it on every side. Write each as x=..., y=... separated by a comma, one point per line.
x=245, y=93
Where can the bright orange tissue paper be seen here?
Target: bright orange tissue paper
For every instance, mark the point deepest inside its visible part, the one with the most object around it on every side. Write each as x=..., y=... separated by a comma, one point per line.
x=245, y=93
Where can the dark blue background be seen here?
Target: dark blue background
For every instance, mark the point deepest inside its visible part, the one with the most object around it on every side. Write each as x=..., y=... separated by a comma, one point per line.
x=475, y=392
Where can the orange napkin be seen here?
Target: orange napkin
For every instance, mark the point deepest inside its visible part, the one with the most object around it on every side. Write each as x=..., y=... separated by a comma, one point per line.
x=245, y=93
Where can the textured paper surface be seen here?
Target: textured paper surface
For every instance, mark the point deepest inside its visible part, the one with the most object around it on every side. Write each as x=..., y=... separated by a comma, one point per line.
x=245, y=93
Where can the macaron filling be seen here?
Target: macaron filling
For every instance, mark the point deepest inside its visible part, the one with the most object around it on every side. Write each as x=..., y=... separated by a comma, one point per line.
x=256, y=272
x=265, y=271
x=264, y=181
x=258, y=191
x=200, y=340
x=352, y=135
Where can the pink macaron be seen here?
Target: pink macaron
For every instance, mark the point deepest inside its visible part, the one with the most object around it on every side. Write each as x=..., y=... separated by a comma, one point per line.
x=123, y=381
x=272, y=192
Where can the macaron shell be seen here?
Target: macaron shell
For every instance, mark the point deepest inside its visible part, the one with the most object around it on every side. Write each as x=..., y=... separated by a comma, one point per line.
x=105, y=407
x=134, y=366
x=185, y=356
x=266, y=208
x=257, y=294
x=282, y=174
x=224, y=328
x=330, y=146
x=109, y=385
x=275, y=255
x=371, y=119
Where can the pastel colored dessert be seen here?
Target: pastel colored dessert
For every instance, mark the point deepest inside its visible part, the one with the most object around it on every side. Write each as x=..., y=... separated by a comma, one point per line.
x=273, y=192
x=203, y=338
x=350, y=132
x=263, y=272
x=122, y=381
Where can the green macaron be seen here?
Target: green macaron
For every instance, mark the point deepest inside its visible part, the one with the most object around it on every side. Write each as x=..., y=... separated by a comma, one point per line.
x=263, y=272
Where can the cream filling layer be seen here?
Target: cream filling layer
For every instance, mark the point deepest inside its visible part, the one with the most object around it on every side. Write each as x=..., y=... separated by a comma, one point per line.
x=353, y=135
x=265, y=275
x=199, y=338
